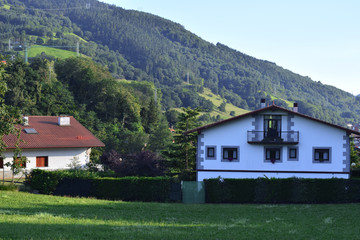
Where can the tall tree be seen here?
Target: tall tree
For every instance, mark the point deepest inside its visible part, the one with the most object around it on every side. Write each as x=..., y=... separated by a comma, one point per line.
x=9, y=118
x=182, y=153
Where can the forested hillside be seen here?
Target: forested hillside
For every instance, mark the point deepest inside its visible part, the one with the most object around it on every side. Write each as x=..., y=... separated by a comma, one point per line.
x=124, y=115
x=138, y=46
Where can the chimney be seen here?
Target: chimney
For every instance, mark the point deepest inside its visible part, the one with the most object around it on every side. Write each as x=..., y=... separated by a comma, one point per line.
x=64, y=121
x=26, y=121
x=262, y=103
x=295, y=108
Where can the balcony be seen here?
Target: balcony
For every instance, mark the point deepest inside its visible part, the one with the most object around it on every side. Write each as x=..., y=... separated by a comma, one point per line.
x=283, y=137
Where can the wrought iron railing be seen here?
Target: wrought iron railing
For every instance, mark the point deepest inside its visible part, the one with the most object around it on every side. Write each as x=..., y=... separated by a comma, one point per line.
x=283, y=137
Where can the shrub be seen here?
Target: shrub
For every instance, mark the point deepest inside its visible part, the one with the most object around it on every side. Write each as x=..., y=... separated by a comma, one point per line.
x=43, y=181
x=144, y=163
x=10, y=187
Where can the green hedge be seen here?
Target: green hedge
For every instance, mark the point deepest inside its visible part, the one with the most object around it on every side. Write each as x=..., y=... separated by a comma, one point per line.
x=147, y=189
x=87, y=184
x=290, y=190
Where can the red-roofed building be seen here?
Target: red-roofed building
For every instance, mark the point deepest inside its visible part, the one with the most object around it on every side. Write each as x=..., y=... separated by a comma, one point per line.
x=51, y=142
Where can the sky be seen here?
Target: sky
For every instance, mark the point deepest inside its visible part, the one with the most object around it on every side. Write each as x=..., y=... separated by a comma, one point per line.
x=315, y=38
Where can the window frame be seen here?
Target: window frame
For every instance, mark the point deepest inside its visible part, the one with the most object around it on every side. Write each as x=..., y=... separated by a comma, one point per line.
x=276, y=122
x=232, y=148
x=46, y=162
x=322, y=150
x=207, y=157
x=296, y=158
x=269, y=148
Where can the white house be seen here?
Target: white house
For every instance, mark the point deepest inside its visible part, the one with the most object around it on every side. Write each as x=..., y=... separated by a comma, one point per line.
x=273, y=142
x=51, y=142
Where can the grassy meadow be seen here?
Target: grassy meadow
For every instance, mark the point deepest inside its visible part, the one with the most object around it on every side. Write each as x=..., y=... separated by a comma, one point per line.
x=30, y=216
x=59, y=53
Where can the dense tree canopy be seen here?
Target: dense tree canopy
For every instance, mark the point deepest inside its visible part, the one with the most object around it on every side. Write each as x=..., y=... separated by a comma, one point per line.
x=139, y=46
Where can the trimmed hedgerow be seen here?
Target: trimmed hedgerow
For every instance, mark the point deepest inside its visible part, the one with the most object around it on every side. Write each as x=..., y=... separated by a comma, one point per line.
x=147, y=189
x=87, y=184
x=290, y=190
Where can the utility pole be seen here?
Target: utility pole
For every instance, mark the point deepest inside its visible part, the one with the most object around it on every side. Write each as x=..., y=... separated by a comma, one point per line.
x=26, y=53
x=155, y=95
x=49, y=73
x=77, y=48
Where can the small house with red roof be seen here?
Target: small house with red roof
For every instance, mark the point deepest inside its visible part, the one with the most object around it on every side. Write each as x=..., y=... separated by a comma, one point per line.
x=51, y=142
x=273, y=142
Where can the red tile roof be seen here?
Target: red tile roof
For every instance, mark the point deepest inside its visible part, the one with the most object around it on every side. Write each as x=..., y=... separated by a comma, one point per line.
x=271, y=108
x=51, y=135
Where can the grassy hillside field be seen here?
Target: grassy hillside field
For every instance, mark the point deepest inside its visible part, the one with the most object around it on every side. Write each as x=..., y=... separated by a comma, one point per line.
x=58, y=53
x=29, y=216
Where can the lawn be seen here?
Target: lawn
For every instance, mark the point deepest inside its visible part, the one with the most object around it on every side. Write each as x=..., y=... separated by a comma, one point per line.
x=29, y=216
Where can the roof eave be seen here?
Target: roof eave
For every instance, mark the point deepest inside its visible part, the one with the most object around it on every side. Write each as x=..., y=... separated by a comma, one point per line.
x=272, y=107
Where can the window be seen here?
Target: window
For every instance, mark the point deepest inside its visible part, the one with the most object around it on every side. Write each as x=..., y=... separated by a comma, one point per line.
x=272, y=154
x=1, y=163
x=322, y=154
x=210, y=153
x=272, y=126
x=230, y=154
x=293, y=154
x=42, y=162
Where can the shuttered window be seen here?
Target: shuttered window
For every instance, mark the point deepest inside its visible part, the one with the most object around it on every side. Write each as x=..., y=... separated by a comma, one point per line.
x=42, y=162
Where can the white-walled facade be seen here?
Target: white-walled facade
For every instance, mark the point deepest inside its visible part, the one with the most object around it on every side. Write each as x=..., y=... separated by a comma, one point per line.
x=302, y=147
x=48, y=159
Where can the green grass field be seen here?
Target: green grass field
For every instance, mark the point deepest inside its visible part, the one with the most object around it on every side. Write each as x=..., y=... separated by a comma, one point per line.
x=29, y=216
x=59, y=53
x=217, y=100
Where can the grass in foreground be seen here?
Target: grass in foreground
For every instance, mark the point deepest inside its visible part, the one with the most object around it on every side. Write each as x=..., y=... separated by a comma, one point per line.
x=28, y=216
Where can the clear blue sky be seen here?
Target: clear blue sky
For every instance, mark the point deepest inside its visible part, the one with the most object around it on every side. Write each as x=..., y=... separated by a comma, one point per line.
x=315, y=38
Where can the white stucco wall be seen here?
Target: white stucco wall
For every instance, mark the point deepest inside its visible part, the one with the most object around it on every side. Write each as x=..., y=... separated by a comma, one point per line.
x=58, y=158
x=252, y=162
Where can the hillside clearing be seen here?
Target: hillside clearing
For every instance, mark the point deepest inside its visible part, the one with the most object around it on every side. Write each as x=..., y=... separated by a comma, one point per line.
x=58, y=53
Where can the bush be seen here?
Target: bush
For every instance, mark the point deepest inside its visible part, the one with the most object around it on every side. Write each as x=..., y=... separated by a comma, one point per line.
x=43, y=181
x=10, y=187
x=144, y=163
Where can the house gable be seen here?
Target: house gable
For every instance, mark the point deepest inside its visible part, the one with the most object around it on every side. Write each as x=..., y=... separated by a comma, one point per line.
x=273, y=142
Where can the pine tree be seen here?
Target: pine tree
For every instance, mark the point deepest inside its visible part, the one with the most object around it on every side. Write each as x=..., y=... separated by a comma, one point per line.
x=182, y=153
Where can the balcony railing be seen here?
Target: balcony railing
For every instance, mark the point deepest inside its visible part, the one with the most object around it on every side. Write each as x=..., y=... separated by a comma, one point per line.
x=284, y=137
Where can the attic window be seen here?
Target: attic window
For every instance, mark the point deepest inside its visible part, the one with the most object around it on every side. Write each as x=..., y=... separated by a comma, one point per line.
x=30, y=131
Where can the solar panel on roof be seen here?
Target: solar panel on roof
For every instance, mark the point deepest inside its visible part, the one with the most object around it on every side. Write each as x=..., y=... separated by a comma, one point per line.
x=30, y=131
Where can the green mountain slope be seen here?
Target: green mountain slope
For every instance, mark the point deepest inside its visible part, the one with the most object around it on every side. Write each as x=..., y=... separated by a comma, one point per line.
x=140, y=46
